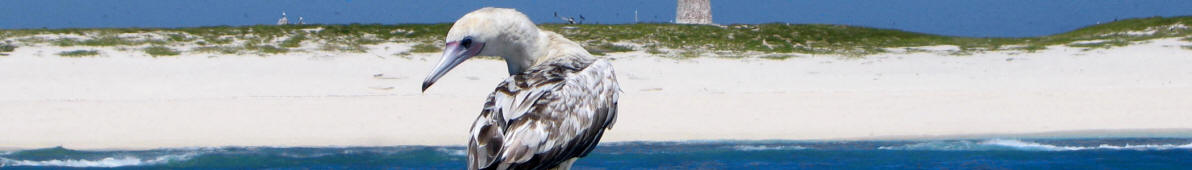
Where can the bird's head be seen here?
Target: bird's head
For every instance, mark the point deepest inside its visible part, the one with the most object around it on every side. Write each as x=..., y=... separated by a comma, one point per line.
x=487, y=32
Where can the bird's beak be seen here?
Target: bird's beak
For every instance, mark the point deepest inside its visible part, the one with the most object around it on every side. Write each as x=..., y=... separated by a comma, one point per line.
x=453, y=54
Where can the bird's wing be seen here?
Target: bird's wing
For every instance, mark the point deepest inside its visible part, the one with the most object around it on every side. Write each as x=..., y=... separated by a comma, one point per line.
x=551, y=113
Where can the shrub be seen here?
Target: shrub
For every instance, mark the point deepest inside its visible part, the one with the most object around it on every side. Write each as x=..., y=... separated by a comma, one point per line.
x=607, y=48
x=294, y=42
x=7, y=48
x=272, y=49
x=425, y=48
x=78, y=53
x=216, y=49
x=161, y=51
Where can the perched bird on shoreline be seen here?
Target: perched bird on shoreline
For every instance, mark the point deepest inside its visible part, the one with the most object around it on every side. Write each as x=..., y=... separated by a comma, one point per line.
x=554, y=106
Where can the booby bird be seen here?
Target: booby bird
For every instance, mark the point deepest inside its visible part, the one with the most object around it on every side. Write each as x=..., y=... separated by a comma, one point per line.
x=283, y=20
x=552, y=109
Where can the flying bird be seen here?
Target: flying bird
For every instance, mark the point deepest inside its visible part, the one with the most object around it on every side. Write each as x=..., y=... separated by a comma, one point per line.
x=552, y=109
x=570, y=20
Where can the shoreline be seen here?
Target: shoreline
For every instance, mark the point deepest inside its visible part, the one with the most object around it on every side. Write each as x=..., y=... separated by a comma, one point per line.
x=127, y=100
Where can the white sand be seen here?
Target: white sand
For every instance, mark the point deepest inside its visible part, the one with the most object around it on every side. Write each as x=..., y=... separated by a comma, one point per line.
x=125, y=99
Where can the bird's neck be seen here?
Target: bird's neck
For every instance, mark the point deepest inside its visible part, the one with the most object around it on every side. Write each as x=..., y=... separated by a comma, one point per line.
x=531, y=51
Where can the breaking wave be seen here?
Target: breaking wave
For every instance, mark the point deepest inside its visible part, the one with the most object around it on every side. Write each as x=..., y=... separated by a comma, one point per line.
x=1010, y=144
x=453, y=151
x=766, y=147
x=108, y=162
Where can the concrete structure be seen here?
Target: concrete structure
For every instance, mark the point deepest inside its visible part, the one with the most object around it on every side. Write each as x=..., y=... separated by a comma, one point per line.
x=693, y=12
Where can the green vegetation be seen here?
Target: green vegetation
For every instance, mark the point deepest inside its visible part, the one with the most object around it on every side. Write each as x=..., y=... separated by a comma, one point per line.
x=839, y=39
x=272, y=49
x=156, y=51
x=680, y=41
x=78, y=53
x=777, y=56
x=607, y=48
x=105, y=40
x=1101, y=44
x=687, y=54
x=294, y=41
x=356, y=48
x=217, y=49
x=180, y=38
x=4, y=48
x=425, y=48
x=653, y=50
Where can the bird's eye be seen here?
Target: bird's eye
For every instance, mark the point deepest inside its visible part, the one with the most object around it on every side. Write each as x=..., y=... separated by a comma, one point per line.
x=467, y=42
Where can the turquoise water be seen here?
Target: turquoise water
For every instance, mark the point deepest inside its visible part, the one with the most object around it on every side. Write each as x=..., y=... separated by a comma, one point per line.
x=1132, y=153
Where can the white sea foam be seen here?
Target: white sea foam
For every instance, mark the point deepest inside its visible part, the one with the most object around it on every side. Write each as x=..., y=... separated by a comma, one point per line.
x=1010, y=144
x=108, y=162
x=764, y=147
x=1023, y=145
x=453, y=152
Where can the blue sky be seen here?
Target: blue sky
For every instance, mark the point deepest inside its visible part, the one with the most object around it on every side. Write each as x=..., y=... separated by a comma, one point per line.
x=976, y=18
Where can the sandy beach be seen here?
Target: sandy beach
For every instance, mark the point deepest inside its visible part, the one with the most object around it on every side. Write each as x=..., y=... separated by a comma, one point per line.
x=127, y=99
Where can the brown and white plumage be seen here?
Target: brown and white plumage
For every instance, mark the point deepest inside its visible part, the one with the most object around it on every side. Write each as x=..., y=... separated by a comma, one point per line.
x=554, y=107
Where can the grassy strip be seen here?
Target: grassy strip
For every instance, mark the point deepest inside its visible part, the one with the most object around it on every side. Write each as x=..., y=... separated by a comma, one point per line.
x=683, y=41
x=601, y=49
x=78, y=53
x=156, y=51
x=4, y=48
x=294, y=41
x=217, y=49
x=425, y=48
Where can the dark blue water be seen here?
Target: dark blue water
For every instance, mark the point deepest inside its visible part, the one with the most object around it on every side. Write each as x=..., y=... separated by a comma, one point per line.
x=1120, y=153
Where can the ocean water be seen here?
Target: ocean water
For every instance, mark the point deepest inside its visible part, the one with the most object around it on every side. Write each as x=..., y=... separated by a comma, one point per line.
x=1117, y=153
x=974, y=18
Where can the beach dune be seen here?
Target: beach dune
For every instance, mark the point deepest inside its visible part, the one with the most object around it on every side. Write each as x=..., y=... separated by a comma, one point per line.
x=123, y=100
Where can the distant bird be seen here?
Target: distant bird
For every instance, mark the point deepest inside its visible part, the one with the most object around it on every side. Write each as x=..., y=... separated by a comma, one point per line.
x=551, y=110
x=283, y=20
x=571, y=20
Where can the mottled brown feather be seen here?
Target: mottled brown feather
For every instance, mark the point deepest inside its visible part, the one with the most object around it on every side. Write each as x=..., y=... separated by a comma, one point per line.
x=573, y=91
